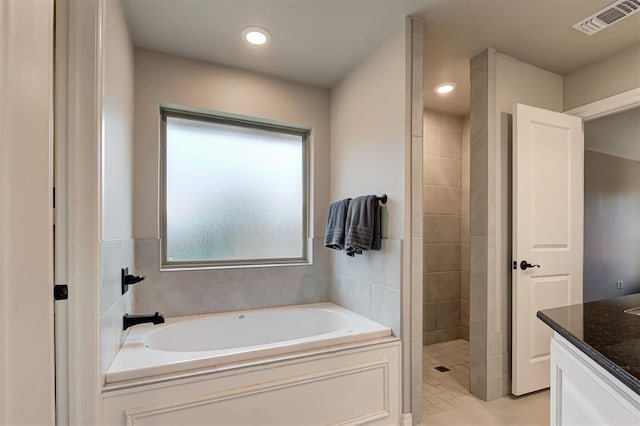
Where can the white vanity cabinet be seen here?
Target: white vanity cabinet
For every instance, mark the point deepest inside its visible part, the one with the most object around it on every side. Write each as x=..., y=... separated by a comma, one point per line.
x=584, y=393
x=348, y=387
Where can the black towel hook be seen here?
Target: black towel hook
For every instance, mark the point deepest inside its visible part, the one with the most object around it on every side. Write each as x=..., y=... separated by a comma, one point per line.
x=382, y=198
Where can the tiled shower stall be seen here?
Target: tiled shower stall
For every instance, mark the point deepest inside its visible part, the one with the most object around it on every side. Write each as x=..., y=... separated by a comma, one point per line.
x=446, y=227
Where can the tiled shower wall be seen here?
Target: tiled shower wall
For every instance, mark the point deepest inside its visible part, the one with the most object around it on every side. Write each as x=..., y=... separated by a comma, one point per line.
x=465, y=234
x=446, y=227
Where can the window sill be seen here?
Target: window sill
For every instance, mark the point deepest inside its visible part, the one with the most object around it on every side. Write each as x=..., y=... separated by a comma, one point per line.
x=178, y=268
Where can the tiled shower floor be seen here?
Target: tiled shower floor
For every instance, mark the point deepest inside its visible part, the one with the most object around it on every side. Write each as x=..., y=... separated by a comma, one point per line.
x=447, y=401
x=445, y=391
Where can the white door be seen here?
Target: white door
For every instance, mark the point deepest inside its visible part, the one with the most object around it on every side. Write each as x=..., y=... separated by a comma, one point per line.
x=548, y=164
x=26, y=213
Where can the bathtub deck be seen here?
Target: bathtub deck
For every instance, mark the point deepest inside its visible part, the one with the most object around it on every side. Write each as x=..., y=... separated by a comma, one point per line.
x=137, y=361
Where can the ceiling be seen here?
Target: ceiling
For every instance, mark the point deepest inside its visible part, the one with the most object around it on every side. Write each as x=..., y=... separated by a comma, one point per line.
x=314, y=42
x=538, y=32
x=617, y=135
x=317, y=42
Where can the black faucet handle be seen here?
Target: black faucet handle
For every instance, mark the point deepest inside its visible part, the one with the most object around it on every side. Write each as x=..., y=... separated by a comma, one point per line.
x=131, y=320
x=133, y=279
x=158, y=318
x=128, y=279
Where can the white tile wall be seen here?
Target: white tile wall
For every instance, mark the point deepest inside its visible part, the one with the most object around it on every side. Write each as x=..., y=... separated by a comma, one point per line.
x=191, y=292
x=114, y=255
x=369, y=284
x=385, y=307
x=352, y=294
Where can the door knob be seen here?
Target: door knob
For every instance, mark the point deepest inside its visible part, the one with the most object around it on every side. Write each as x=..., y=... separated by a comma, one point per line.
x=524, y=265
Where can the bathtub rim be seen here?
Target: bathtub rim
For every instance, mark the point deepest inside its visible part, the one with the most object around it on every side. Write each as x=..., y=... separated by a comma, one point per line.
x=328, y=347
x=240, y=367
x=149, y=331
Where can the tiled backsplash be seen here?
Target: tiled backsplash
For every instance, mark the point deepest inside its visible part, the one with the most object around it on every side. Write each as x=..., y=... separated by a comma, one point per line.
x=191, y=292
x=369, y=284
x=114, y=255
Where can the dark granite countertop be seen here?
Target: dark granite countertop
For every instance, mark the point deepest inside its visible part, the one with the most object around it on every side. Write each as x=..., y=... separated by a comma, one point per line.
x=604, y=332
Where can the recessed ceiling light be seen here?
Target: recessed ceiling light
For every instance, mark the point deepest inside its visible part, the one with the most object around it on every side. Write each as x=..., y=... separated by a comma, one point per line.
x=445, y=88
x=256, y=35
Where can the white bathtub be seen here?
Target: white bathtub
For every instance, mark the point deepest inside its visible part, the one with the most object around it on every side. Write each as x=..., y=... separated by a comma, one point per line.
x=206, y=341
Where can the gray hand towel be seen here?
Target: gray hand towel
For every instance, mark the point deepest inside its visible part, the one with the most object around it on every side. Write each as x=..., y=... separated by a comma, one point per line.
x=363, y=228
x=335, y=233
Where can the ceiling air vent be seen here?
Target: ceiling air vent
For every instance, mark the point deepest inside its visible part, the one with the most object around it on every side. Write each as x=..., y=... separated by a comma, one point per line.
x=609, y=15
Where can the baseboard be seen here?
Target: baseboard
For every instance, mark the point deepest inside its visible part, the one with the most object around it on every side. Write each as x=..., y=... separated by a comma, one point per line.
x=406, y=419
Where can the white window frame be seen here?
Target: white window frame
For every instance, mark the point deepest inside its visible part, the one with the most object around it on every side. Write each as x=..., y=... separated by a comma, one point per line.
x=239, y=121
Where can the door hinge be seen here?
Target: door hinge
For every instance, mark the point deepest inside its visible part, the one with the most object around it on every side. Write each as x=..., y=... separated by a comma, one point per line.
x=60, y=292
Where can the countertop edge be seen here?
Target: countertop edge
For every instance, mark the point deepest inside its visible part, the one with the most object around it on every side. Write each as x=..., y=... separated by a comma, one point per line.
x=619, y=373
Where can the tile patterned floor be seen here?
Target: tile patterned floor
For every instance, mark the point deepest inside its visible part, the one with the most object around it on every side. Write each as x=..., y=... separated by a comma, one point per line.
x=447, y=401
x=445, y=391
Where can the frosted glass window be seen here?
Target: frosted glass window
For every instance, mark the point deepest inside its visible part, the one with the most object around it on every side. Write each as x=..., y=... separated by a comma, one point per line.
x=234, y=192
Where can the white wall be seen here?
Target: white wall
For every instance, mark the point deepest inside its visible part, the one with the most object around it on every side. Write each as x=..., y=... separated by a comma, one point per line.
x=368, y=131
x=612, y=229
x=117, y=110
x=165, y=79
x=497, y=83
x=617, y=134
x=368, y=147
x=116, y=246
x=615, y=74
x=26, y=214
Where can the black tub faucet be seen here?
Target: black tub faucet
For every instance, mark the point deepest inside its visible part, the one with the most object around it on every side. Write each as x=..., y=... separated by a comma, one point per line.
x=131, y=320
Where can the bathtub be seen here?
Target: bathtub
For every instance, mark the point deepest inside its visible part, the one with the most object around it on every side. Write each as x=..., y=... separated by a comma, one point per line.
x=208, y=341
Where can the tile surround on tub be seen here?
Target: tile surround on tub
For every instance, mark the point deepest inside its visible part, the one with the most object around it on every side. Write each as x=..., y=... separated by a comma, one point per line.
x=114, y=255
x=381, y=267
x=385, y=307
x=369, y=284
x=108, y=344
x=112, y=335
x=189, y=292
x=352, y=294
